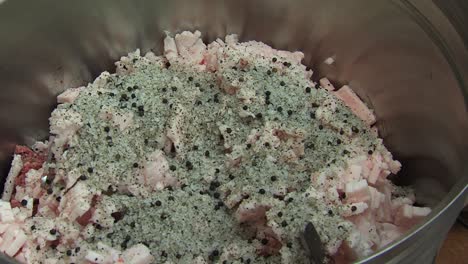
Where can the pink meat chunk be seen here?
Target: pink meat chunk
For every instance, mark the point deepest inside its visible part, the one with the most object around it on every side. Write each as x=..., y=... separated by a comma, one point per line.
x=388, y=233
x=409, y=215
x=358, y=107
x=325, y=83
x=69, y=95
x=138, y=254
x=156, y=173
x=357, y=191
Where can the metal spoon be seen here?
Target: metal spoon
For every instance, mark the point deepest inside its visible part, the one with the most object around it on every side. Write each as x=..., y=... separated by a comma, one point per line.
x=312, y=244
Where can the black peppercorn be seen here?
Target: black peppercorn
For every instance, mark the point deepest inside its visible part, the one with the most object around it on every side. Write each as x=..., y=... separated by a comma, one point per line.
x=355, y=129
x=284, y=224
x=269, y=72
x=264, y=241
x=282, y=83
x=90, y=170
x=320, y=127
x=135, y=165
x=207, y=153
x=190, y=78
x=229, y=130
x=274, y=59
x=273, y=178
x=370, y=152
x=53, y=232
x=164, y=101
x=248, y=146
x=216, y=195
x=24, y=202
x=106, y=129
x=212, y=187
x=123, y=97
x=258, y=115
x=261, y=191
x=353, y=208
x=83, y=178
x=189, y=165
x=308, y=90
x=172, y=167
x=290, y=112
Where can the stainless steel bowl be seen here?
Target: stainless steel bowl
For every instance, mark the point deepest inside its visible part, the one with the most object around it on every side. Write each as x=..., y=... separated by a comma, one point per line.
x=403, y=57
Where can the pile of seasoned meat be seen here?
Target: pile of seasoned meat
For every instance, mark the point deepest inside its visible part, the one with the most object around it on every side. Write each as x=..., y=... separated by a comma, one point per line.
x=216, y=153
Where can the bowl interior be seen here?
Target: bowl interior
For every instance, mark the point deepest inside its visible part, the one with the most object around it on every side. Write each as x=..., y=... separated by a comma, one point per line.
x=385, y=55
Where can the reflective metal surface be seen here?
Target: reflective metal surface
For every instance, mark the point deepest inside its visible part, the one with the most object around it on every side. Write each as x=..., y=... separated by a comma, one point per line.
x=402, y=57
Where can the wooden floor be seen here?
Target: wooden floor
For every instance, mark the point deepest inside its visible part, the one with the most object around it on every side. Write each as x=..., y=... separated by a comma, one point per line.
x=455, y=248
